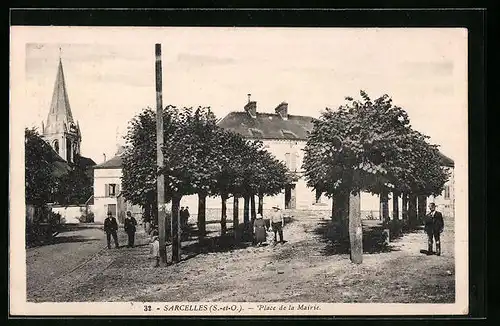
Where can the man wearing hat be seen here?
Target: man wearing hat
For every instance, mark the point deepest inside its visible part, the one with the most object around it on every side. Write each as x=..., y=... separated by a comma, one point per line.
x=110, y=227
x=277, y=223
x=434, y=226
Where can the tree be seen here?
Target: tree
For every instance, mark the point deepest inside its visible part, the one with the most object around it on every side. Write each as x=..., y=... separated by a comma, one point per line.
x=263, y=175
x=40, y=182
x=271, y=178
x=75, y=186
x=231, y=157
x=140, y=171
x=350, y=149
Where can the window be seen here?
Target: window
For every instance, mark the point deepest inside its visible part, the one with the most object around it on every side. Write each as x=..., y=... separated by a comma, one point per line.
x=293, y=162
x=447, y=192
x=111, y=190
x=287, y=160
x=68, y=150
x=56, y=146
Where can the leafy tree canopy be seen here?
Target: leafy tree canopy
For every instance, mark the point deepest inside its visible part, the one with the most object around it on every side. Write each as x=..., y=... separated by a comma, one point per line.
x=369, y=145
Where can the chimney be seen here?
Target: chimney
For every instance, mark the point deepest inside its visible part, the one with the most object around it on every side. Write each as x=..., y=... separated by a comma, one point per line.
x=104, y=157
x=251, y=107
x=282, y=110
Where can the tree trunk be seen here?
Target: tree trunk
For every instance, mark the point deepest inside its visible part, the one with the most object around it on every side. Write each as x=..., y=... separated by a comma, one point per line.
x=421, y=208
x=175, y=227
x=384, y=205
x=246, y=212
x=223, y=218
x=395, y=205
x=355, y=229
x=202, y=200
x=252, y=208
x=404, y=202
x=261, y=204
x=333, y=208
x=341, y=212
x=236, y=222
x=412, y=210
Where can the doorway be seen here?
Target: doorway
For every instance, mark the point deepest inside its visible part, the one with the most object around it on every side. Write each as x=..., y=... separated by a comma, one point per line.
x=112, y=209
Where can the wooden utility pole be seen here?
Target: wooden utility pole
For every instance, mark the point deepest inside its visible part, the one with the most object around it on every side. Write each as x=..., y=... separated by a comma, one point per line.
x=159, y=157
x=355, y=229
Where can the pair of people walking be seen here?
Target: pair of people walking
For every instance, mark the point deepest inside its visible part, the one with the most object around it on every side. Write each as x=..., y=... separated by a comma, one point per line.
x=276, y=224
x=111, y=229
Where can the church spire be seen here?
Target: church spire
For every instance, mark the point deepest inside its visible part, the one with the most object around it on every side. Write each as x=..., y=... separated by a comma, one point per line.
x=60, y=116
x=60, y=131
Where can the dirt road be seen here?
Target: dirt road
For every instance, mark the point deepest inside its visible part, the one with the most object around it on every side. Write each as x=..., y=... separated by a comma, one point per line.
x=307, y=268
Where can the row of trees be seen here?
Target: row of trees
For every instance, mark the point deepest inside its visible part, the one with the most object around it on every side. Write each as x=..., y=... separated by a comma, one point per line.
x=199, y=158
x=44, y=184
x=369, y=145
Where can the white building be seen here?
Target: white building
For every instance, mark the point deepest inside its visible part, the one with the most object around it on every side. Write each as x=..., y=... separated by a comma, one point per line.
x=285, y=136
x=107, y=192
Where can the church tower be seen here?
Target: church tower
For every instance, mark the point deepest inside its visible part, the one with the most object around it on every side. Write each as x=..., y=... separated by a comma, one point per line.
x=60, y=130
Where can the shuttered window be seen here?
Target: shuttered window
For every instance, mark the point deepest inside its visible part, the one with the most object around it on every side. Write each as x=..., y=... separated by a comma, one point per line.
x=111, y=190
x=447, y=192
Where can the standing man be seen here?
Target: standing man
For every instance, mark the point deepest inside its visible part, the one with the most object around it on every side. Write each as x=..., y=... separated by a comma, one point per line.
x=434, y=225
x=110, y=227
x=129, y=226
x=277, y=223
x=186, y=216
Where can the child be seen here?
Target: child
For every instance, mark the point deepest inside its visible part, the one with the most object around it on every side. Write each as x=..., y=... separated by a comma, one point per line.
x=155, y=248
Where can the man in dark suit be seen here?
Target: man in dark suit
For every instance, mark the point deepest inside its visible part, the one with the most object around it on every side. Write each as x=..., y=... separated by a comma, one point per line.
x=130, y=227
x=110, y=227
x=434, y=225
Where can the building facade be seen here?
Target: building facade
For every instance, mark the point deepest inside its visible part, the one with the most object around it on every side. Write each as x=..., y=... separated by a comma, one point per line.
x=107, y=192
x=283, y=135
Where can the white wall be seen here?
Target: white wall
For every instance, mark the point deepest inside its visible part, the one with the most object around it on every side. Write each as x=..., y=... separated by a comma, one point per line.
x=446, y=205
x=101, y=202
x=71, y=214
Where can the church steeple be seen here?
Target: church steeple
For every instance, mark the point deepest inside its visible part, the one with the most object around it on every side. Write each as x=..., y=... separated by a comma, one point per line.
x=60, y=131
x=60, y=115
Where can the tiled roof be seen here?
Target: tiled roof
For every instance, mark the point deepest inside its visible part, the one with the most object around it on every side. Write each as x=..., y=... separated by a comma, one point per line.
x=113, y=163
x=268, y=126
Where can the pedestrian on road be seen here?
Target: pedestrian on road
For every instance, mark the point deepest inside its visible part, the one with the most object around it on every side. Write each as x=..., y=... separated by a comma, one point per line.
x=434, y=226
x=155, y=248
x=130, y=227
x=181, y=216
x=110, y=227
x=185, y=218
x=259, y=230
x=277, y=223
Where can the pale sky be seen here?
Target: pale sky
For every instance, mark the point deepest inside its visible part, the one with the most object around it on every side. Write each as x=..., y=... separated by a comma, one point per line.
x=110, y=75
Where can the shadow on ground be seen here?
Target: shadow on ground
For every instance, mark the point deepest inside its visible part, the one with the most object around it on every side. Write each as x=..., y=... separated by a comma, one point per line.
x=213, y=243
x=374, y=238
